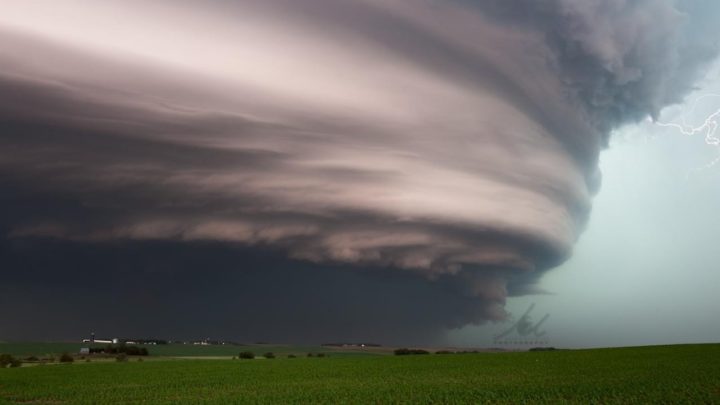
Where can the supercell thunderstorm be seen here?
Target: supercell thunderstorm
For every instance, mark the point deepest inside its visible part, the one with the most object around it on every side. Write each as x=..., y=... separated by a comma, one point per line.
x=451, y=142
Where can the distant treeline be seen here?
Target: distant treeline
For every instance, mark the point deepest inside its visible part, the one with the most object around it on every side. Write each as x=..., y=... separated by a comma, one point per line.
x=7, y=360
x=405, y=351
x=121, y=348
x=149, y=341
x=341, y=344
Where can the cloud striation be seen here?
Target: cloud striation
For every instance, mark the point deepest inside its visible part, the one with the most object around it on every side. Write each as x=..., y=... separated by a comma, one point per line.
x=384, y=168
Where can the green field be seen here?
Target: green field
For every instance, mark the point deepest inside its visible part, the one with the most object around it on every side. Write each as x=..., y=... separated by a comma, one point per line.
x=662, y=374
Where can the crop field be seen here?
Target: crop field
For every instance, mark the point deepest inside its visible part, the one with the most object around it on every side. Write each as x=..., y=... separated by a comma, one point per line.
x=661, y=374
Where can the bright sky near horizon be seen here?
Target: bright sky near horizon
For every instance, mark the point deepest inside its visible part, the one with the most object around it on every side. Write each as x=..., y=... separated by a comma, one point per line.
x=646, y=269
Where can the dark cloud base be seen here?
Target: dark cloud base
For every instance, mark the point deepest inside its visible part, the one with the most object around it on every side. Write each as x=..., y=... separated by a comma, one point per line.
x=60, y=289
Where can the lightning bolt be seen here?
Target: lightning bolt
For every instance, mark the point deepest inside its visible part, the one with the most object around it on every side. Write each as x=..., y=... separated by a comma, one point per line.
x=709, y=127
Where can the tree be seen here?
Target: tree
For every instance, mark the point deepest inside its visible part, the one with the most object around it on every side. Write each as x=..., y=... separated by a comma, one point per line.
x=7, y=360
x=269, y=355
x=246, y=355
x=66, y=358
x=405, y=351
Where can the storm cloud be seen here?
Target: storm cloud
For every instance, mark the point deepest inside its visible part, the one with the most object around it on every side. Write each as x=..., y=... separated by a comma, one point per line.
x=408, y=164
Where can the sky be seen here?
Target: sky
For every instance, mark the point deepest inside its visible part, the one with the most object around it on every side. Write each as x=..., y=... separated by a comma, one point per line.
x=644, y=272
x=398, y=171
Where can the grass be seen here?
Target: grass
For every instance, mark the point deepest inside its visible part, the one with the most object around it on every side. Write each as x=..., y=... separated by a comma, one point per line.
x=662, y=374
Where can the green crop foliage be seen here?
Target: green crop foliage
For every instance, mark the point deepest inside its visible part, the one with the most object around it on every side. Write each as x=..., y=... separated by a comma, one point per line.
x=662, y=374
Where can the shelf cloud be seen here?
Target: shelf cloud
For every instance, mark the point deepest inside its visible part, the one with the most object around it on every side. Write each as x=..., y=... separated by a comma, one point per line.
x=442, y=155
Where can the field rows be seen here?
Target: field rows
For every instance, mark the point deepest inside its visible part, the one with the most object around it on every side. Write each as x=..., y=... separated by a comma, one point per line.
x=664, y=374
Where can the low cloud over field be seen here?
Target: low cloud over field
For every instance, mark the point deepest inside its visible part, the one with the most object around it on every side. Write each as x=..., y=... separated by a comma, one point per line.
x=310, y=169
